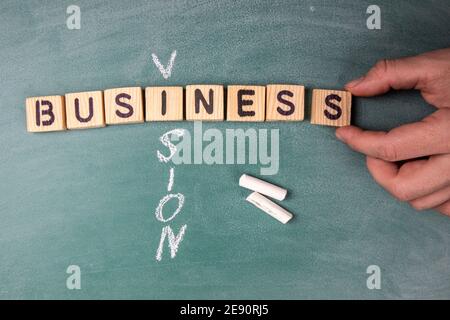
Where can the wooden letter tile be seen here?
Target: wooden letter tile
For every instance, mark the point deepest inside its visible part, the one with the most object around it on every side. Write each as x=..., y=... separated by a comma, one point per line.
x=85, y=110
x=246, y=103
x=285, y=102
x=164, y=103
x=331, y=107
x=45, y=114
x=124, y=105
x=204, y=102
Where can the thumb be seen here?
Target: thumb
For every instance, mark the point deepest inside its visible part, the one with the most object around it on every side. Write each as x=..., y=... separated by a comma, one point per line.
x=404, y=73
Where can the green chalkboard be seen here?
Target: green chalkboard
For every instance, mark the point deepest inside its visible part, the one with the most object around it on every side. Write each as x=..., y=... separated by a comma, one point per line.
x=87, y=198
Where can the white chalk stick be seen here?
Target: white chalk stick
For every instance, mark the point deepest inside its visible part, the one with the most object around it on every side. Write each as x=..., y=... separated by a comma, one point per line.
x=270, y=207
x=262, y=187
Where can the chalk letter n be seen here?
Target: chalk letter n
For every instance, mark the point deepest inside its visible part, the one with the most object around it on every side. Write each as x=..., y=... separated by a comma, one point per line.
x=174, y=241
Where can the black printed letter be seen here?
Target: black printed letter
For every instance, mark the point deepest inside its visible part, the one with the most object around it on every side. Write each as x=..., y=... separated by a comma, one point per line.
x=163, y=102
x=125, y=105
x=77, y=110
x=286, y=102
x=242, y=102
x=333, y=106
x=209, y=107
x=48, y=112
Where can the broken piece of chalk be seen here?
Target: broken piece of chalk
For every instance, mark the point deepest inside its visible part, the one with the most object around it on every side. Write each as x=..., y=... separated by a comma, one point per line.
x=270, y=207
x=262, y=187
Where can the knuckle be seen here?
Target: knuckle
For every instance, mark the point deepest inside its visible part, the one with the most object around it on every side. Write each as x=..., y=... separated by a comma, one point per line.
x=439, y=123
x=447, y=170
x=444, y=113
x=433, y=118
x=439, y=118
x=388, y=152
x=400, y=193
x=418, y=205
x=384, y=66
x=380, y=68
x=445, y=210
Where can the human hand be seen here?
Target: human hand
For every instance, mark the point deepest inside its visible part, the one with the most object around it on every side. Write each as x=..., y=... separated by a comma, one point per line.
x=425, y=184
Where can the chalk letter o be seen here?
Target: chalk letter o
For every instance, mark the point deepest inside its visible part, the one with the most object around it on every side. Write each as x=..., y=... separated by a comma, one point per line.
x=159, y=208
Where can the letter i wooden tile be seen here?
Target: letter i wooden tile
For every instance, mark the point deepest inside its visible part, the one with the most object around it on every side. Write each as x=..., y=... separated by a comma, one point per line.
x=164, y=103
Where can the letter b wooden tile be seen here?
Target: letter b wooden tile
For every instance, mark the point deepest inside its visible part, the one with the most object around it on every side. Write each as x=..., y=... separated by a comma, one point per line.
x=124, y=105
x=45, y=113
x=246, y=103
x=285, y=102
x=85, y=110
x=331, y=107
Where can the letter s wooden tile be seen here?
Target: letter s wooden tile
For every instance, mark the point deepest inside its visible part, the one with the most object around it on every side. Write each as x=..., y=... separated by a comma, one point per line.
x=331, y=107
x=285, y=102
x=124, y=105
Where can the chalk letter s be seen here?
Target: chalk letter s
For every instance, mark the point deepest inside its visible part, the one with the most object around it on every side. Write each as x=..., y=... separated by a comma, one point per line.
x=165, y=140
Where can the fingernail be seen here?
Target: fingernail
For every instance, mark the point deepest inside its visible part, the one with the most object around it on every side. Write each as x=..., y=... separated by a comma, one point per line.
x=355, y=82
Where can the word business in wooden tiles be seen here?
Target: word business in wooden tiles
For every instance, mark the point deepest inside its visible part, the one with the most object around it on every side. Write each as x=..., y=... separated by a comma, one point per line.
x=246, y=103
